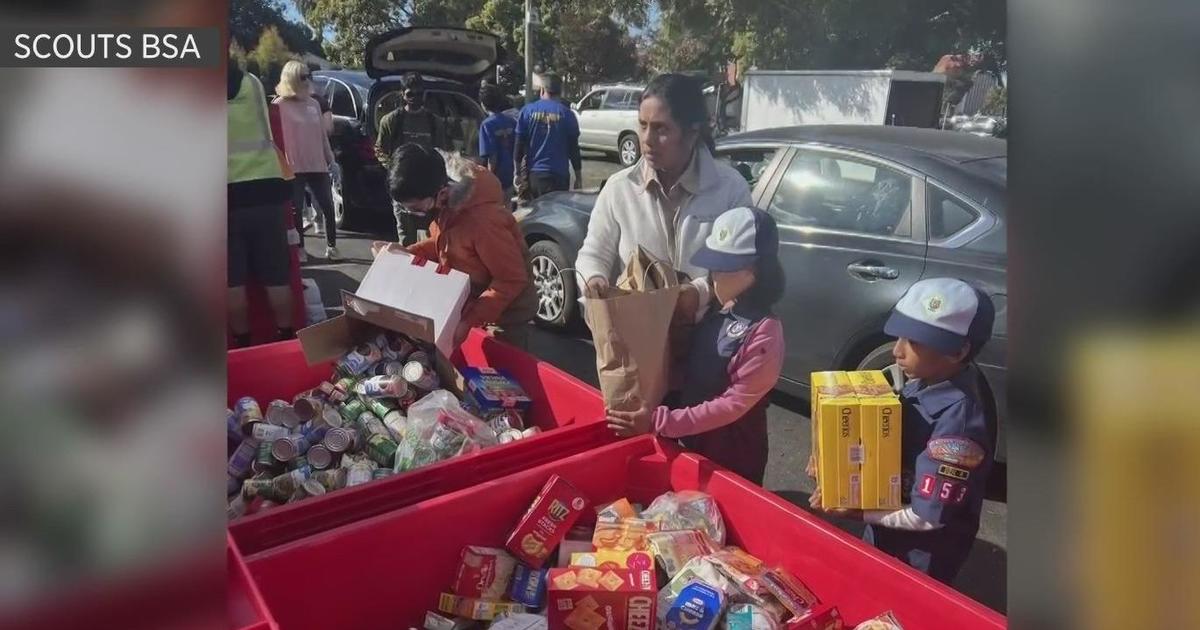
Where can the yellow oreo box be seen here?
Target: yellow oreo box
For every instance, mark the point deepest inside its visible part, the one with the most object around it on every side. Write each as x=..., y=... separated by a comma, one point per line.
x=879, y=418
x=839, y=466
x=825, y=385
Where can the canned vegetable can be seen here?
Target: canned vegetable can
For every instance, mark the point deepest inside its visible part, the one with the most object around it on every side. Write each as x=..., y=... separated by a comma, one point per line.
x=320, y=457
x=242, y=459
x=264, y=432
x=420, y=376
x=352, y=409
x=248, y=412
x=382, y=450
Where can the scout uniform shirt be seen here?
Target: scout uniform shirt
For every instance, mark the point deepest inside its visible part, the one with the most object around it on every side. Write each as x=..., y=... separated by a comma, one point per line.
x=948, y=442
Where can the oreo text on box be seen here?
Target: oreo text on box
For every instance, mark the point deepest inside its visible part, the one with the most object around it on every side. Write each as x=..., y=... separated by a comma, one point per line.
x=100, y=47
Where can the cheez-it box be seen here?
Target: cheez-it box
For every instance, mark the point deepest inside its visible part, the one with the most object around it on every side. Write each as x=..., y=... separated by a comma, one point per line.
x=585, y=598
x=545, y=524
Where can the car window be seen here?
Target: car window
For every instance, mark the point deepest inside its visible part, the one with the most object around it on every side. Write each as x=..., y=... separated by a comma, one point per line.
x=750, y=163
x=842, y=193
x=635, y=98
x=618, y=100
x=592, y=101
x=947, y=215
x=340, y=101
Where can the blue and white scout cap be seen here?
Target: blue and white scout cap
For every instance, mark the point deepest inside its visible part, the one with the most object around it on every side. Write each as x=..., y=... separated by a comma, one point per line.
x=944, y=314
x=739, y=236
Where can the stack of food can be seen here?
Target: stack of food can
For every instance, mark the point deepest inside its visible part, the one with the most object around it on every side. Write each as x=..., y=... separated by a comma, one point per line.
x=342, y=433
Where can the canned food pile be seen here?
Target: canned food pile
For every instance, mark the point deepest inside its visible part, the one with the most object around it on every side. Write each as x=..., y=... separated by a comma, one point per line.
x=382, y=412
x=554, y=573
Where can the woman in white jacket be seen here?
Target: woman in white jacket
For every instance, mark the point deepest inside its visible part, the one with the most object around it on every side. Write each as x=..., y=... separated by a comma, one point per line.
x=667, y=202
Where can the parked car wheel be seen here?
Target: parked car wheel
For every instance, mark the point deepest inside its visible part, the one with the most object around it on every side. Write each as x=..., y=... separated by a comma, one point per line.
x=339, y=199
x=881, y=359
x=556, y=289
x=628, y=149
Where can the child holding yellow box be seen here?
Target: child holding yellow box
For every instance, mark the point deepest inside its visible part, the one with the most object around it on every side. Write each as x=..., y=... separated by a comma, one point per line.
x=948, y=439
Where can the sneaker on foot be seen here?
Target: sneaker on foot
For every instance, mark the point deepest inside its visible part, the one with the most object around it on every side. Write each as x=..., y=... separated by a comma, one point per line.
x=331, y=253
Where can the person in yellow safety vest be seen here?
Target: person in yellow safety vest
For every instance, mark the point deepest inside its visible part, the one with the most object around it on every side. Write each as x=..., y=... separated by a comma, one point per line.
x=258, y=192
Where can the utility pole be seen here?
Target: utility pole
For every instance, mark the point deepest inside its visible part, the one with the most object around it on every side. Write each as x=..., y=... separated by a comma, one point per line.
x=529, y=20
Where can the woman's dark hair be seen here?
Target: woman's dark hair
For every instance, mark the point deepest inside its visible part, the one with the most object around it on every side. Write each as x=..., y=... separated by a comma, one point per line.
x=684, y=96
x=769, y=280
x=417, y=173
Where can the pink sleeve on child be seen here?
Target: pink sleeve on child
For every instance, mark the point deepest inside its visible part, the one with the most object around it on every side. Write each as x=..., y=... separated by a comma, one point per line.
x=753, y=372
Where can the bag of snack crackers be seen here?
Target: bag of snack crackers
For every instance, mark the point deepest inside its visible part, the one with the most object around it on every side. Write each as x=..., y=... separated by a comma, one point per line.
x=689, y=509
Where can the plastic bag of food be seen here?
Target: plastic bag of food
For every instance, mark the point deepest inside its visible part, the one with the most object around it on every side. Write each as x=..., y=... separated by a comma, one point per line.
x=676, y=548
x=749, y=617
x=438, y=428
x=689, y=509
x=886, y=621
x=748, y=575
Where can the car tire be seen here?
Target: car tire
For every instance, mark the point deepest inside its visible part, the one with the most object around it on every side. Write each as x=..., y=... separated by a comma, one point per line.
x=628, y=149
x=339, y=199
x=556, y=290
x=880, y=358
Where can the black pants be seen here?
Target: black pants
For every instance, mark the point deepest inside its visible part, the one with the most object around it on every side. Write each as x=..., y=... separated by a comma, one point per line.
x=541, y=182
x=320, y=187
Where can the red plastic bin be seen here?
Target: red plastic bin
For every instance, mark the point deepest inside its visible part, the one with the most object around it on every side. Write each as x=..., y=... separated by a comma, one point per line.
x=246, y=608
x=567, y=410
x=386, y=571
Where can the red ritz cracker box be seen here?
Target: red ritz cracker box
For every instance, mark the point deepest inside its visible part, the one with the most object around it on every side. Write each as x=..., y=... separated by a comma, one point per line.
x=821, y=617
x=547, y=521
x=484, y=573
x=585, y=598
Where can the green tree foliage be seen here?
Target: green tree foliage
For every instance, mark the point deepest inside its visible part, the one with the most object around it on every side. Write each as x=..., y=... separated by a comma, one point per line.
x=837, y=34
x=355, y=22
x=248, y=19
x=267, y=59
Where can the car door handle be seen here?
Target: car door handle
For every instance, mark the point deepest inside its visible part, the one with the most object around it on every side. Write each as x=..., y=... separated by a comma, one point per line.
x=873, y=272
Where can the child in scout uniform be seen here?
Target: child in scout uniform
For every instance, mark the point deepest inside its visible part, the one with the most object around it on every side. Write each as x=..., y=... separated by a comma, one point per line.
x=736, y=351
x=948, y=439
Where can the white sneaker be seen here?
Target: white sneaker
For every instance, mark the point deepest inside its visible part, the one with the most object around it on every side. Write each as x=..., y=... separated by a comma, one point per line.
x=331, y=253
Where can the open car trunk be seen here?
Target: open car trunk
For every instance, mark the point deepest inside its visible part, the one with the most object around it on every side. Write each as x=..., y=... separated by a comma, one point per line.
x=451, y=60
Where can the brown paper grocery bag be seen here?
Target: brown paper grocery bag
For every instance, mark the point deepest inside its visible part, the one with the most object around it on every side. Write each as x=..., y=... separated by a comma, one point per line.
x=630, y=330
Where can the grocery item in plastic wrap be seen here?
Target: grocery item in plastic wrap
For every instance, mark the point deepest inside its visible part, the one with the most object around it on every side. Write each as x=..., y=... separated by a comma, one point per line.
x=528, y=586
x=617, y=510
x=699, y=569
x=689, y=509
x=749, y=617
x=747, y=572
x=674, y=549
x=484, y=573
x=886, y=621
x=791, y=592
x=628, y=534
x=520, y=621
x=698, y=607
x=435, y=621
x=479, y=609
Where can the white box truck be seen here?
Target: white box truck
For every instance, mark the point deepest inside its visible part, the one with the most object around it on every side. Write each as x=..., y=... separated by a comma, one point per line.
x=783, y=98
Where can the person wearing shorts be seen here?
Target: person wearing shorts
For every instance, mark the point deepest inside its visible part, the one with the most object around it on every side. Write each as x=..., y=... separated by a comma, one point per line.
x=258, y=195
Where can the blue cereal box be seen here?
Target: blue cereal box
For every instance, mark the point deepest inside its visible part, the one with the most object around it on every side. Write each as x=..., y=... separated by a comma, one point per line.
x=698, y=607
x=489, y=389
x=528, y=586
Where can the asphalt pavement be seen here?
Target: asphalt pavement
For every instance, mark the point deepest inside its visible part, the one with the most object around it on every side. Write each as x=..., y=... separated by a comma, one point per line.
x=983, y=577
